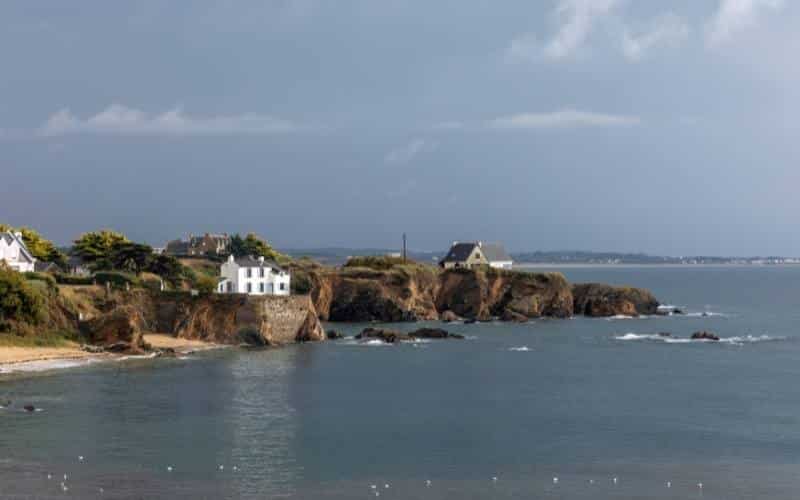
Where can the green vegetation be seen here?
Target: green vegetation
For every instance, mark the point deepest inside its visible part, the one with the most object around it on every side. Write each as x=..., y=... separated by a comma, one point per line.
x=38, y=246
x=376, y=262
x=19, y=300
x=96, y=247
x=117, y=279
x=205, y=284
x=257, y=247
x=41, y=339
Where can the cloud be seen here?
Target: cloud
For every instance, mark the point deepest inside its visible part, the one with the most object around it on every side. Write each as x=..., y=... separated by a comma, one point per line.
x=566, y=118
x=575, y=18
x=122, y=120
x=408, y=152
x=666, y=30
x=734, y=16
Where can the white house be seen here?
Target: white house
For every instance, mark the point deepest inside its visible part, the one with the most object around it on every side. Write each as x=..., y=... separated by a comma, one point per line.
x=253, y=277
x=14, y=252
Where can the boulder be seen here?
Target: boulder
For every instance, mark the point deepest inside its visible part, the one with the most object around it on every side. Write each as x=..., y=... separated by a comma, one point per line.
x=434, y=333
x=512, y=316
x=119, y=330
x=333, y=335
x=449, y=316
x=393, y=336
x=704, y=335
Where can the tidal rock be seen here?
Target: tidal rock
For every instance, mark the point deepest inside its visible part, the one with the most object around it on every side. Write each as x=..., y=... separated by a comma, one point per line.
x=509, y=315
x=393, y=336
x=29, y=408
x=333, y=335
x=449, y=316
x=434, y=333
x=704, y=336
x=598, y=300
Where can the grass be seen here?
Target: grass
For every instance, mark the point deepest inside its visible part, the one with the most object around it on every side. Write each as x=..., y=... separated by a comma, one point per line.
x=41, y=339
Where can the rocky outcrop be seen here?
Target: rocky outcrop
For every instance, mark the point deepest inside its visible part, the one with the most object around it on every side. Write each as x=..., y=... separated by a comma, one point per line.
x=394, y=336
x=403, y=293
x=118, y=330
x=509, y=295
x=704, y=336
x=599, y=300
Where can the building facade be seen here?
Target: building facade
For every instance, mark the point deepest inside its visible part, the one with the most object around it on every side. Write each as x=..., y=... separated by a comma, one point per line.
x=14, y=252
x=207, y=244
x=253, y=276
x=467, y=255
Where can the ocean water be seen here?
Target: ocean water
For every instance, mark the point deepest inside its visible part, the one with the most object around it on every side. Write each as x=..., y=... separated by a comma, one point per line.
x=606, y=406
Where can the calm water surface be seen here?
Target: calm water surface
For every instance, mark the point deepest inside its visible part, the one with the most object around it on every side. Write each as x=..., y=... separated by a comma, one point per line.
x=583, y=400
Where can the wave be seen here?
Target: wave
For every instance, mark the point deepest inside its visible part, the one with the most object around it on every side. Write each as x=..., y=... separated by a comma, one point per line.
x=46, y=365
x=738, y=340
x=520, y=349
x=706, y=314
x=625, y=316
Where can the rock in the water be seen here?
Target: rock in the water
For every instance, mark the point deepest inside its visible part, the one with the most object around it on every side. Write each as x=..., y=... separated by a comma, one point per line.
x=29, y=408
x=664, y=334
x=449, y=316
x=333, y=335
x=704, y=336
x=393, y=336
x=509, y=315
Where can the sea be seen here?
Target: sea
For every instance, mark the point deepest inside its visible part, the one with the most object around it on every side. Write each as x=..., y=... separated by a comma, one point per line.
x=582, y=408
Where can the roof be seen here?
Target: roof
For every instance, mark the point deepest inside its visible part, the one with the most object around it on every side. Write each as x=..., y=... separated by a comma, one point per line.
x=495, y=252
x=459, y=252
x=45, y=267
x=10, y=238
x=75, y=261
x=250, y=261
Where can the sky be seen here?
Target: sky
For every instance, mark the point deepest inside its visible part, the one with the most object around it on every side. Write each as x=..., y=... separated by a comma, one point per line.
x=613, y=125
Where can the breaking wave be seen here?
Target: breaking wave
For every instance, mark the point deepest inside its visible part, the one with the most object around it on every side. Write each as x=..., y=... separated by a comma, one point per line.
x=739, y=340
x=520, y=349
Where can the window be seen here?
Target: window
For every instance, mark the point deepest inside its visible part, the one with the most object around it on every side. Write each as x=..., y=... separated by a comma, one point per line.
x=261, y=286
x=249, y=273
x=230, y=287
x=261, y=272
x=249, y=288
x=283, y=286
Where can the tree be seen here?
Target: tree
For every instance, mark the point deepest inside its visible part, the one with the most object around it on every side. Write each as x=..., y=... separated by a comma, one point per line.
x=96, y=247
x=168, y=267
x=38, y=246
x=255, y=246
x=129, y=256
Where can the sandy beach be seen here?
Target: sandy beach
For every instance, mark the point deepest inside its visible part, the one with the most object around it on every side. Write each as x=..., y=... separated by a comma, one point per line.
x=13, y=358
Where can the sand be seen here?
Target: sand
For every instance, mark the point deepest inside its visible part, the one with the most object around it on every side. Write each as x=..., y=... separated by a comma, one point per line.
x=160, y=341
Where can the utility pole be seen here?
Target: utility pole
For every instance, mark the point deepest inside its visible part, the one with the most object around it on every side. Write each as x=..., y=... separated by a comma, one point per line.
x=404, y=248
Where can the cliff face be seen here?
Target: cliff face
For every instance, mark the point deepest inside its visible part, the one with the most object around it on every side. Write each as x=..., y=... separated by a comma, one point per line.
x=122, y=317
x=486, y=293
x=595, y=299
x=415, y=292
x=403, y=293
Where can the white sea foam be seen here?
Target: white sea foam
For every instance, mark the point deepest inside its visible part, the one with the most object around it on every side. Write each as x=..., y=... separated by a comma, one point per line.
x=747, y=339
x=706, y=314
x=520, y=349
x=46, y=365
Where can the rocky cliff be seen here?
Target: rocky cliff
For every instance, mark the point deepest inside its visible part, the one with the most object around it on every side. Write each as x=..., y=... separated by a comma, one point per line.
x=121, y=317
x=413, y=292
x=596, y=299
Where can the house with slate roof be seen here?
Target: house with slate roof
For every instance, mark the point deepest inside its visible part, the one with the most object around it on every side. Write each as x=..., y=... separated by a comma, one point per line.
x=14, y=252
x=466, y=255
x=253, y=276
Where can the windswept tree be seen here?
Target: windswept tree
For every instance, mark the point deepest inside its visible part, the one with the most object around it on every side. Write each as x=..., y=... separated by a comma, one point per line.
x=255, y=246
x=39, y=247
x=130, y=256
x=96, y=247
x=168, y=267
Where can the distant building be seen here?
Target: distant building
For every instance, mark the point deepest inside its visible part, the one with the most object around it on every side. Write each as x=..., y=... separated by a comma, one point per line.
x=207, y=244
x=253, y=276
x=46, y=267
x=14, y=252
x=466, y=255
x=76, y=266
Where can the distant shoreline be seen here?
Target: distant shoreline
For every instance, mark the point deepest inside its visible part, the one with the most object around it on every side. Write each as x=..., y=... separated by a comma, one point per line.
x=576, y=265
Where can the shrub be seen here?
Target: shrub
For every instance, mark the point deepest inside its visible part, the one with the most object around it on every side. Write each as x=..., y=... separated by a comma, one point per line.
x=46, y=278
x=377, y=262
x=205, y=284
x=19, y=300
x=67, y=279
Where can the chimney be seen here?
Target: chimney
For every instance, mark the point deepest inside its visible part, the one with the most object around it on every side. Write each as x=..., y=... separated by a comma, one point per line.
x=261, y=259
x=18, y=234
x=480, y=244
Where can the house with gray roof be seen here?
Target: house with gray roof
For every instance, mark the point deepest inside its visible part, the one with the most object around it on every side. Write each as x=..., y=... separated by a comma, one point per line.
x=14, y=252
x=466, y=255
